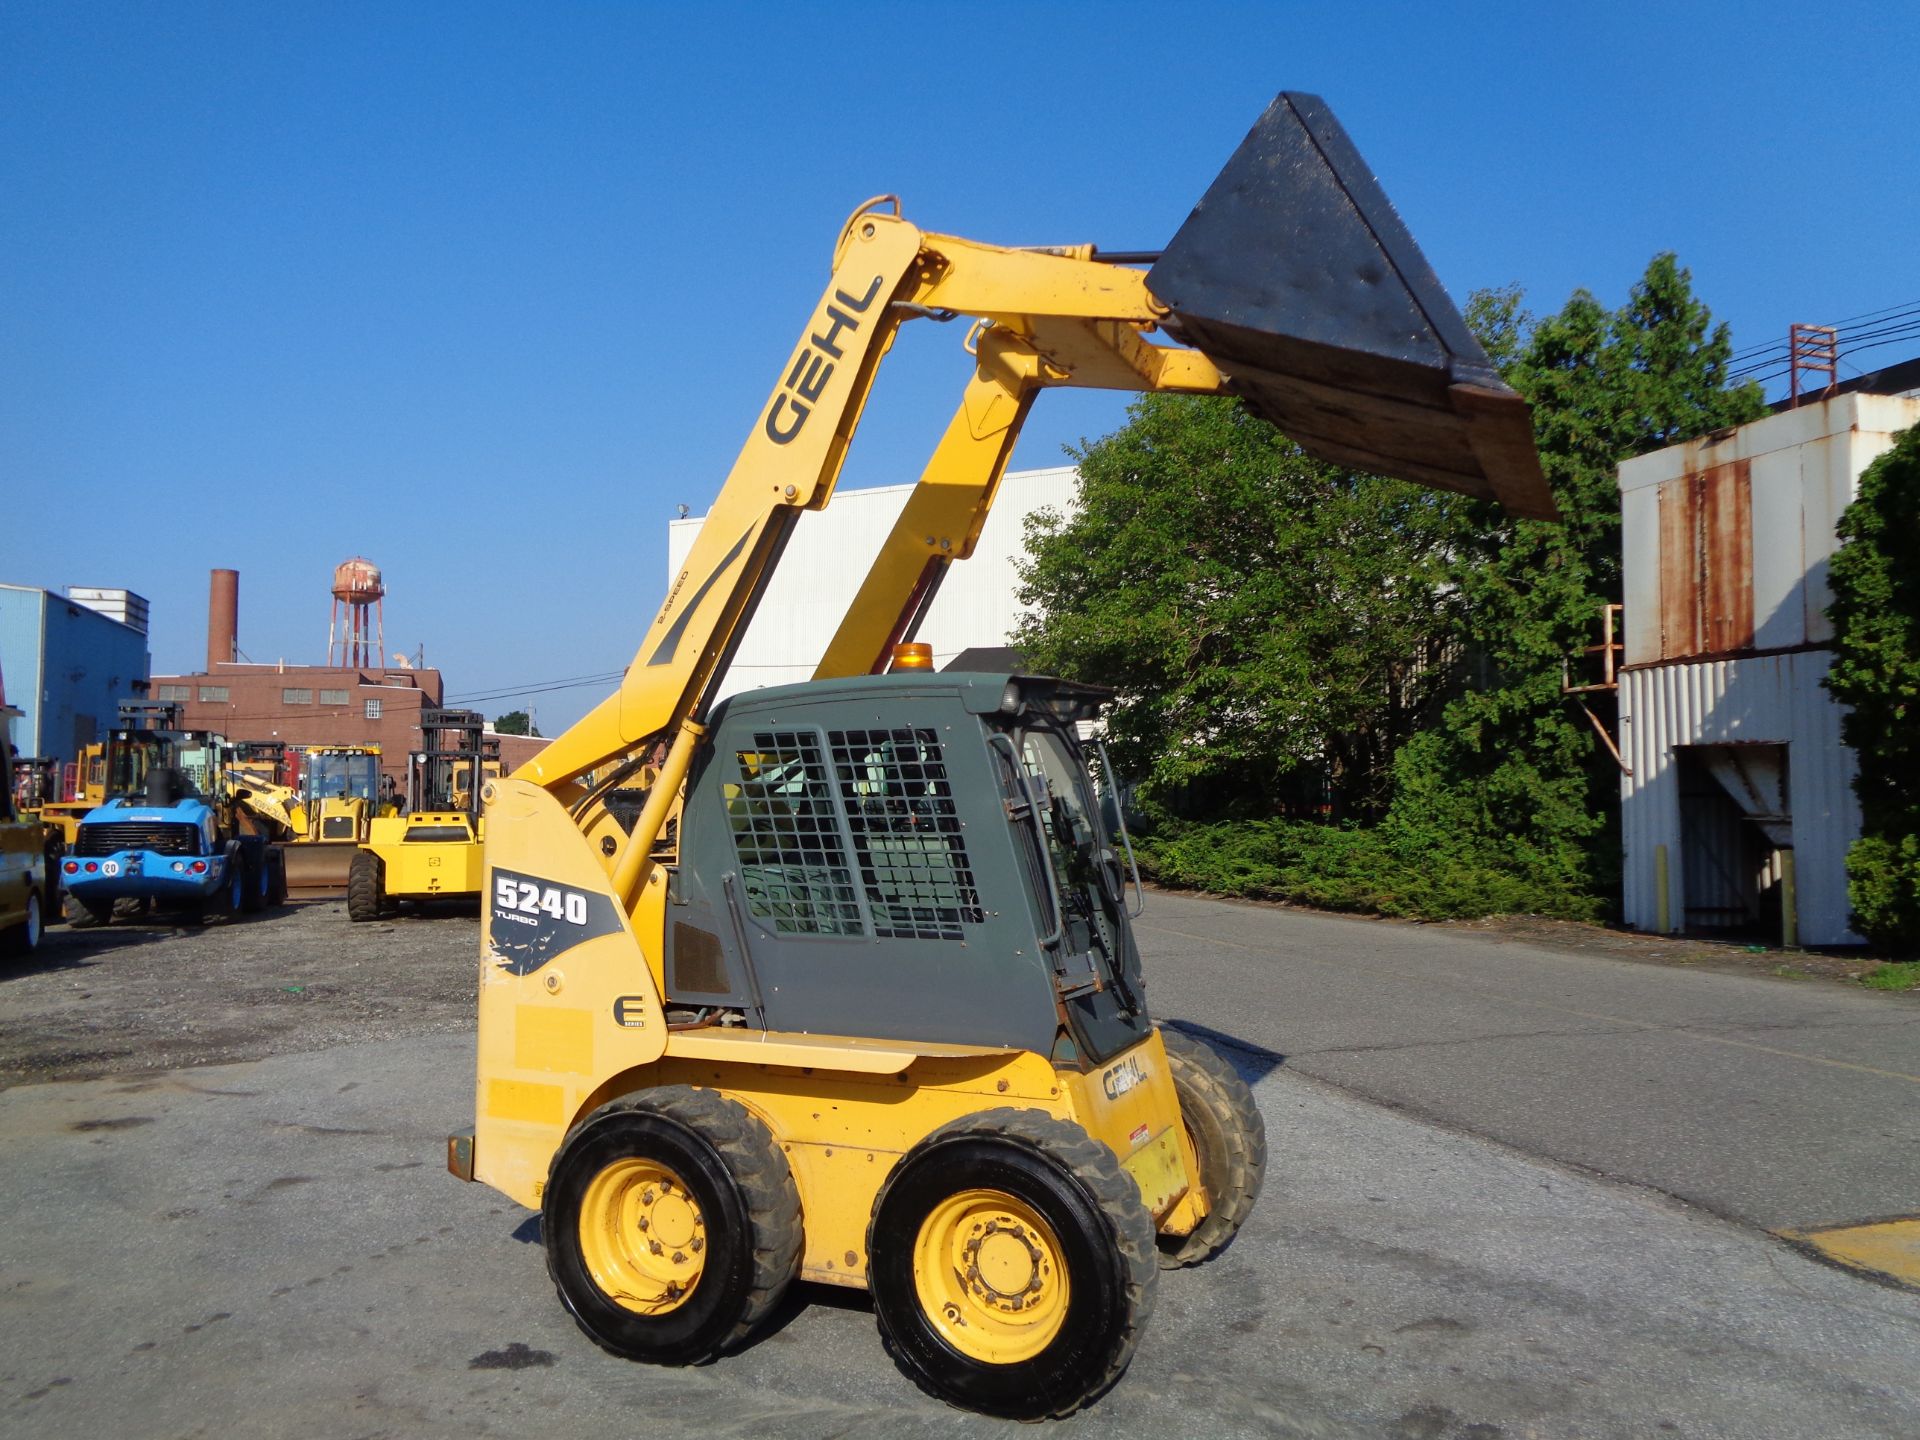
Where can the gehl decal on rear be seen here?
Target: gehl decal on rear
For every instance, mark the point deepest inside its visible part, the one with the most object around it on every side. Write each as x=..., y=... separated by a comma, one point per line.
x=1123, y=1077
x=813, y=366
x=530, y=921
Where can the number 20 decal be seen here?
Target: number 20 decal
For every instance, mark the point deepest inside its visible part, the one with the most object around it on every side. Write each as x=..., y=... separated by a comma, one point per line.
x=531, y=899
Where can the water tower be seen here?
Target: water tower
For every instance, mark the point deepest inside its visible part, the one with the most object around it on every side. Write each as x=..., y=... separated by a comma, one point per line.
x=357, y=593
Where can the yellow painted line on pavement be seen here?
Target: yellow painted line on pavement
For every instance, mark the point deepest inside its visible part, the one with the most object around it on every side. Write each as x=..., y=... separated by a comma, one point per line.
x=1887, y=1247
x=1483, y=993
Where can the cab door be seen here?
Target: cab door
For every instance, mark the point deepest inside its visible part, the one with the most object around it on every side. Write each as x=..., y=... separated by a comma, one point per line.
x=854, y=862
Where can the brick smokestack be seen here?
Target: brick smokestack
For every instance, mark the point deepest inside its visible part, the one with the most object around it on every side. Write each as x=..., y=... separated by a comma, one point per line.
x=223, y=618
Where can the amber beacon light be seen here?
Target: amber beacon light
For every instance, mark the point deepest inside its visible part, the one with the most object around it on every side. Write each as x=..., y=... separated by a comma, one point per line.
x=913, y=655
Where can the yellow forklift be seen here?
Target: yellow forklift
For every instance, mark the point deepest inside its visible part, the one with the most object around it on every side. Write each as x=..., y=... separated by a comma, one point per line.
x=62, y=816
x=431, y=850
x=837, y=980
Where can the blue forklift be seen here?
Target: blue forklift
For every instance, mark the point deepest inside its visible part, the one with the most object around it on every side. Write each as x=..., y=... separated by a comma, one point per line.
x=170, y=836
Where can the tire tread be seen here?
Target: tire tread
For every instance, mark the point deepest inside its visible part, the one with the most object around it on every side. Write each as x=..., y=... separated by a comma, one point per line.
x=1114, y=1193
x=760, y=1171
x=1199, y=1067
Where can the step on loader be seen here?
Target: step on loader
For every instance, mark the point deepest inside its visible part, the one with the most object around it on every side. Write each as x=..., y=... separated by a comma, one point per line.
x=837, y=981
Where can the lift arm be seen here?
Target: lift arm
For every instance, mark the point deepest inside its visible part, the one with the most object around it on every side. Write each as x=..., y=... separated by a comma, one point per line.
x=1045, y=319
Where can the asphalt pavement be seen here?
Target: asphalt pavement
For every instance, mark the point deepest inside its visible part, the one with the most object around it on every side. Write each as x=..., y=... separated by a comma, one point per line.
x=272, y=1248
x=1783, y=1104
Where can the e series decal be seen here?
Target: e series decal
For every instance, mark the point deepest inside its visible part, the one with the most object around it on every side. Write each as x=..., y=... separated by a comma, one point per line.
x=530, y=921
x=813, y=366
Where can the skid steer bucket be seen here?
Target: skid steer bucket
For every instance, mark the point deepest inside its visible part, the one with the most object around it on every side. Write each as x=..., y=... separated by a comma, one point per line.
x=1294, y=275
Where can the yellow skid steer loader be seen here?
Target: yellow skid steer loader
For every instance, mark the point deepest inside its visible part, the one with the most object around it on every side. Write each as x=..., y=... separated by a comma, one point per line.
x=837, y=980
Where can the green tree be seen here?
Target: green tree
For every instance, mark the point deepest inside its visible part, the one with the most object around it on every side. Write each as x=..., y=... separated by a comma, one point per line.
x=515, y=722
x=1876, y=671
x=1510, y=759
x=1272, y=622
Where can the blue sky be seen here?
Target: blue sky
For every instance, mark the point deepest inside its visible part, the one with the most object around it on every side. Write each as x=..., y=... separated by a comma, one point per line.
x=484, y=292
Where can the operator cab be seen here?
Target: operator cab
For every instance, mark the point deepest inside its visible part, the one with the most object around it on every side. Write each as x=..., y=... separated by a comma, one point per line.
x=341, y=775
x=913, y=857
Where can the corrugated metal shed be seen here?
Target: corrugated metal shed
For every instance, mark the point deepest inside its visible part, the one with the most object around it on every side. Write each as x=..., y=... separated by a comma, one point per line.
x=828, y=556
x=1727, y=537
x=1726, y=541
x=1758, y=700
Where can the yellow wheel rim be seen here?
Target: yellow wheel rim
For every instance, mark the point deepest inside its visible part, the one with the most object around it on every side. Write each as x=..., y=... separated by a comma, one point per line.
x=642, y=1236
x=990, y=1276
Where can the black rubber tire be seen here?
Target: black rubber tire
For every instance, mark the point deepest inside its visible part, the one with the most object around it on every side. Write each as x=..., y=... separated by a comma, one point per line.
x=20, y=941
x=1230, y=1139
x=276, y=875
x=1106, y=1241
x=367, y=888
x=82, y=916
x=233, y=897
x=258, y=879
x=741, y=1181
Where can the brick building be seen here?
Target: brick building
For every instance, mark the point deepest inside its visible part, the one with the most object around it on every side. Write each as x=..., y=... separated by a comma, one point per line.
x=302, y=705
x=310, y=705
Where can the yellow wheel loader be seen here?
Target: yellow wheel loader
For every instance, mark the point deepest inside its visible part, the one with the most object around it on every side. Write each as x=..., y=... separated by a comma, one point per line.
x=339, y=803
x=837, y=981
x=320, y=823
x=430, y=851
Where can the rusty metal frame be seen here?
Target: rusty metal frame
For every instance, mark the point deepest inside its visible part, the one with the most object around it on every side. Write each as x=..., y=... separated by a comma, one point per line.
x=1610, y=650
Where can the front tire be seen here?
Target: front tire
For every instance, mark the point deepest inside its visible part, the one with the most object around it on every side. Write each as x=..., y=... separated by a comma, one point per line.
x=1011, y=1265
x=672, y=1225
x=1228, y=1143
x=367, y=888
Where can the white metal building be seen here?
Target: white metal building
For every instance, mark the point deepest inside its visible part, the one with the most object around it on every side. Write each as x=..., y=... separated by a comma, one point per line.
x=1739, y=805
x=828, y=556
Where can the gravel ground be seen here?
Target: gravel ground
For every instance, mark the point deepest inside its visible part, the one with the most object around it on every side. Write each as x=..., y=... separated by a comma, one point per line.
x=143, y=998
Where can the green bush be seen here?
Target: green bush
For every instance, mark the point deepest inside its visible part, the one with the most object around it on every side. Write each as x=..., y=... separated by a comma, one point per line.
x=1883, y=882
x=1876, y=674
x=1382, y=871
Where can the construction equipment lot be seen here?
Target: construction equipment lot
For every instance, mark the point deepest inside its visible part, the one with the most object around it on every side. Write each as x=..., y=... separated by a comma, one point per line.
x=228, y=1215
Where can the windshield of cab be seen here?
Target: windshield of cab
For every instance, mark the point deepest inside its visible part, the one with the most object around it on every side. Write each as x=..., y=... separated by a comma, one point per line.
x=132, y=758
x=331, y=777
x=1067, y=814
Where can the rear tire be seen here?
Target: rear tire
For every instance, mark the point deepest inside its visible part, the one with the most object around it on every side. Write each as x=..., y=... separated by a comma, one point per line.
x=367, y=888
x=82, y=916
x=276, y=876
x=259, y=879
x=1011, y=1265
x=239, y=886
x=1229, y=1140
x=672, y=1225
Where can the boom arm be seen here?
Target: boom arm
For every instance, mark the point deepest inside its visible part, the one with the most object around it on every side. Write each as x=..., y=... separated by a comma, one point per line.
x=1048, y=319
